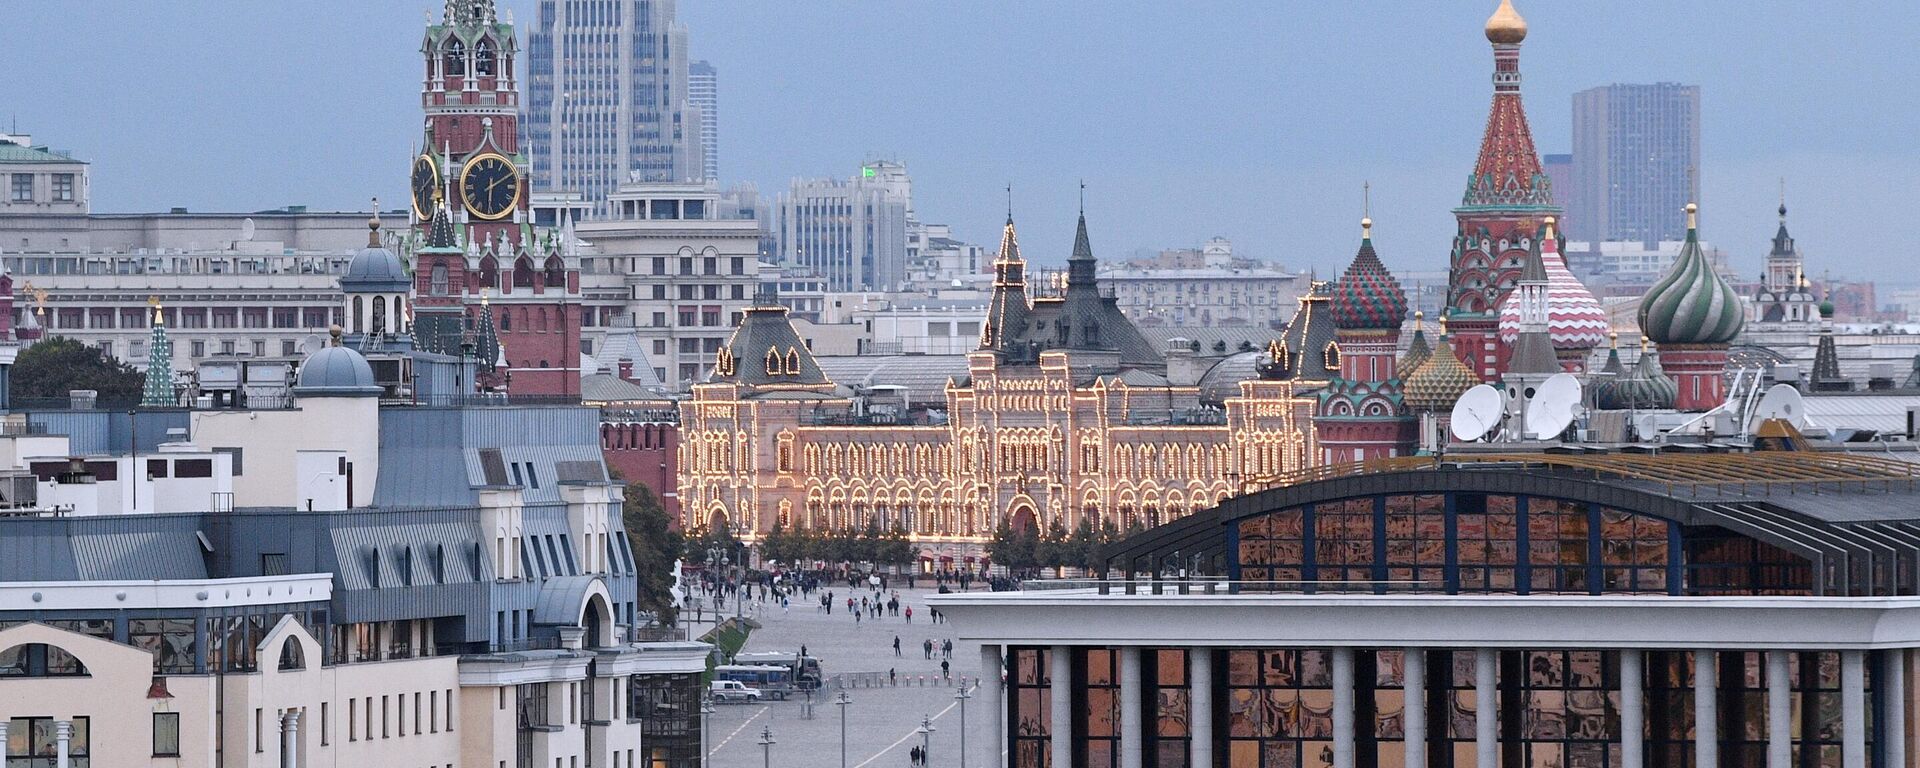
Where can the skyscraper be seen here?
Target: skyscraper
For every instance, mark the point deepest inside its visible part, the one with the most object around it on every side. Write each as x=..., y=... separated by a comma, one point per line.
x=852, y=232
x=1636, y=157
x=607, y=97
x=703, y=94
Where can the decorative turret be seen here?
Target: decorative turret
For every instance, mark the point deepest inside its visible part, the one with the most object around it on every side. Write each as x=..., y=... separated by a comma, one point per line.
x=158, y=389
x=1418, y=350
x=1607, y=383
x=1692, y=314
x=1575, y=321
x=1359, y=415
x=1532, y=346
x=1007, y=314
x=1367, y=297
x=1647, y=387
x=1438, y=384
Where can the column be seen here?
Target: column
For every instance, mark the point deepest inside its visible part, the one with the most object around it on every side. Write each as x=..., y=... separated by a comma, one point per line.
x=1486, y=709
x=1706, y=715
x=1853, y=709
x=1060, y=742
x=1779, y=710
x=1633, y=709
x=1414, y=694
x=1343, y=747
x=62, y=740
x=991, y=698
x=1200, y=685
x=290, y=739
x=1893, y=681
x=1130, y=719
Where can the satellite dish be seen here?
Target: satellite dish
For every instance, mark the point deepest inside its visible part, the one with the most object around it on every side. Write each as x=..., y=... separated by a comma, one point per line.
x=1781, y=402
x=1476, y=413
x=246, y=229
x=1551, y=409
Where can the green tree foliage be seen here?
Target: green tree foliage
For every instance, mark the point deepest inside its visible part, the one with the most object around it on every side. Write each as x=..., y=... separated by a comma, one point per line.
x=54, y=366
x=655, y=546
x=701, y=542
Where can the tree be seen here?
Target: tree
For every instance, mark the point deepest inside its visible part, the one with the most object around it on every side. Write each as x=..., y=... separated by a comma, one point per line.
x=57, y=365
x=655, y=546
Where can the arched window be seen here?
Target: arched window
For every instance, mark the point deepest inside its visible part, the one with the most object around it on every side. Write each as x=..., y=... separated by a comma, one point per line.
x=556, y=273
x=483, y=58
x=490, y=272
x=379, y=314
x=1333, y=355
x=523, y=273
x=455, y=59
x=793, y=362
x=358, y=313
x=291, y=656
x=39, y=660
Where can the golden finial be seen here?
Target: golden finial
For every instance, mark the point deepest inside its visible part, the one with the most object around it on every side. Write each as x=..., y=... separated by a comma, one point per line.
x=1693, y=216
x=373, y=226
x=159, y=315
x=1366, y=210
x=483, y=295
x=1613, y=339
x=1505, y=27
x=1645, y=341
x=1443, y=325
x=1549, y=235
x=1419, y=318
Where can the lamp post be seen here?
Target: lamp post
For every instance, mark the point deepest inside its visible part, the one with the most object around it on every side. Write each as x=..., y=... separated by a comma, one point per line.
x=841, y=701
x=926, y=730
x=766, y=747
x=963, y=694
x=706, y=718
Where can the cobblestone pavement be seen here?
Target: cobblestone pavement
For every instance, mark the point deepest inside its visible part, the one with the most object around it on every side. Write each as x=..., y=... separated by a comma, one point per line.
x=882, y=722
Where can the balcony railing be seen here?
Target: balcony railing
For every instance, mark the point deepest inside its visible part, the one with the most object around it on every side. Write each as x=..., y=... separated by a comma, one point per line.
x=1209, y=585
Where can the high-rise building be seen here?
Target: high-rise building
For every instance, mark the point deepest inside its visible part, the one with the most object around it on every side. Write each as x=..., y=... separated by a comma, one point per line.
x=703, y=94
x=1636, y=156
x=853, y=232
x=607, y=97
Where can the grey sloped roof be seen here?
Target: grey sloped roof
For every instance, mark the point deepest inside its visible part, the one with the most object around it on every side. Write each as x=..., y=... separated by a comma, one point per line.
x=1161, y=336
x=430, y=457
x=560, y=599
x=764, y=329
x=1307, y=337
x=101, y=548
x=608, y=388
x=924, y=376
x=1223, y=379
x=355, y=545
x=624, y=345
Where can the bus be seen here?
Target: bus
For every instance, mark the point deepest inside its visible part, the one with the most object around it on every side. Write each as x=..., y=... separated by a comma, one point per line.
x=773, y=680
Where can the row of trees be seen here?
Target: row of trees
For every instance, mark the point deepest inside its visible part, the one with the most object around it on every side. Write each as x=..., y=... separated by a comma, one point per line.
x=872, y=544
x=1085, y=546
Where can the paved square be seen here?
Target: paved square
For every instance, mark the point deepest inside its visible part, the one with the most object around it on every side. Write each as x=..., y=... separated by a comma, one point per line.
x=882, y=722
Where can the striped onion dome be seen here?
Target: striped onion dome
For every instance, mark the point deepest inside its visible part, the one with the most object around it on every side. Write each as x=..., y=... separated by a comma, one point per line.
x=1692, y=304
x=1438, y=383
x=1648, y=386
x=1418, y=350
x=1367, y=297
x=1605, y=393
x=1574, y=317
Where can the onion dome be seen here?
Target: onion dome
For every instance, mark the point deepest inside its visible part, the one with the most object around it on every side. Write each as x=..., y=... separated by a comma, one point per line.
x=1648, y=386
x=1575, y=319
x=1505, y=27
x=1440, y=381
x=1418, y=350
x=1605, y=396
x=1692, y=304
x=1367, y=297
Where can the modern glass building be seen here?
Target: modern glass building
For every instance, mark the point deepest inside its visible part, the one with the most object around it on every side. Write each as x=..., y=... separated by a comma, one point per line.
x=1636, y=162
x=1587, y=608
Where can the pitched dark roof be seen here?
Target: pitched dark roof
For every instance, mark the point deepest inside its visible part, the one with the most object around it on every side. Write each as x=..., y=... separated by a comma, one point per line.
x=765, y=351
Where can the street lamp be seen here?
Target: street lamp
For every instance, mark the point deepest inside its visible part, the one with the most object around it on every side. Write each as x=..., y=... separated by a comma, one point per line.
x=706, y=719
x=926, y=730
x=842, y=701
x=962, y=695
x=766, y=747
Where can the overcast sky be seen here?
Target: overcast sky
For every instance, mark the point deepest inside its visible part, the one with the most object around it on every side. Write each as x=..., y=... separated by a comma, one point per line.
x=1258, y=121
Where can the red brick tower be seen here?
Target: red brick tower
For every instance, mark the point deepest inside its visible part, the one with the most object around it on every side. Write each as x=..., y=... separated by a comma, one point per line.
x=471, y=181
x=1507, y=198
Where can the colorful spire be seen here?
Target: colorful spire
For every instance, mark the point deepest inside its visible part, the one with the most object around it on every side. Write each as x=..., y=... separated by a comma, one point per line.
x=1367, y=296
x=1508, y=171
x=1692, y=304
x=1575, y=320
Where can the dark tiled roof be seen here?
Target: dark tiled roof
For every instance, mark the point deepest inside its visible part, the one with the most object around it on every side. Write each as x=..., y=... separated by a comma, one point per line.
x=765, y=351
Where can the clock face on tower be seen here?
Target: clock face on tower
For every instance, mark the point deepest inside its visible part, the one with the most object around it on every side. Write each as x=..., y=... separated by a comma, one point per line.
x=426, y=186
x=490, y=186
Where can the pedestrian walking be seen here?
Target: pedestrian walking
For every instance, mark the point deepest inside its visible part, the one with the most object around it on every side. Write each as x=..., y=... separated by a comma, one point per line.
x=926, y=648
x=909, y=614
x=944, y=668
x=896, y=645
x=891, y=677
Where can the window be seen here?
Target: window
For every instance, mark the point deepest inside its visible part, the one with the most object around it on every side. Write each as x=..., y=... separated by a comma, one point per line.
x=437, y=285
x=166, y=734
x=193, y=468
x=33, y=741
x=22, y=188
x=1030, y=689
x=39, y=660
x=353, y=719
x=63, y=187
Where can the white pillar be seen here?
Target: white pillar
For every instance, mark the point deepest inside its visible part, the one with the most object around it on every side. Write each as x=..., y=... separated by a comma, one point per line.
x=1633, y=709
x=1486, y=723
x=1779, y=710
x=1706, y=715
x=62, y=740
x=1414, y=706
x=1853, y=709
x=1130, y=693
x=1200, y=685
x=1343, y=747
x=990, y=700
x=1060, y=738
x=1893, y=684
x=290, y=739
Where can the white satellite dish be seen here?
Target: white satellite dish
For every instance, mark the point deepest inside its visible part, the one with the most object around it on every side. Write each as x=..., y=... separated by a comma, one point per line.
x=1476, y=413
x=1781, y=402
x=1552, y=408
x=247, y=229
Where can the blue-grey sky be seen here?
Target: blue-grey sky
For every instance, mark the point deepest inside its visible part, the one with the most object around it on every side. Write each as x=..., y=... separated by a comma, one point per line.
x=1255, y=120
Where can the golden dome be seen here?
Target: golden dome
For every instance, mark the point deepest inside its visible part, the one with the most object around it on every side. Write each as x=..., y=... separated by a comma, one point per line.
x=1505, y=25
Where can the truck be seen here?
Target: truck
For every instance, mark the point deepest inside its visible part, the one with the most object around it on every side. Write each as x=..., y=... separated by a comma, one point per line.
x=733, y=691
x=773, y=680
x=806, y=669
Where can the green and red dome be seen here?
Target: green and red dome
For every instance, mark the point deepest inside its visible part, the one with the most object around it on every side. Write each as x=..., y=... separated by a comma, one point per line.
x=1367, y=297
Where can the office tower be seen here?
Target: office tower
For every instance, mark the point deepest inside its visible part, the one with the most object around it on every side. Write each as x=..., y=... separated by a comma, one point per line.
x=703, y=94
x=1559, y=171
x=607, y=98
x=853, y=232
x=1636, y=157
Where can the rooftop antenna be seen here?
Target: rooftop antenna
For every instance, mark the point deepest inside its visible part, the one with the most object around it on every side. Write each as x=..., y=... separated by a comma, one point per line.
x=1083, y=197
x=1009, y=201
x=1366, y=199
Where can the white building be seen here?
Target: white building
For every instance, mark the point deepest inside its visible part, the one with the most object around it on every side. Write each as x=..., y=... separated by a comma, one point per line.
x=39, y=181
x=853, y=231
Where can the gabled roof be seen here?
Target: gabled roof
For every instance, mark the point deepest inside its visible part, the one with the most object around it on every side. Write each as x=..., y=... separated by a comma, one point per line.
x=765, y=351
